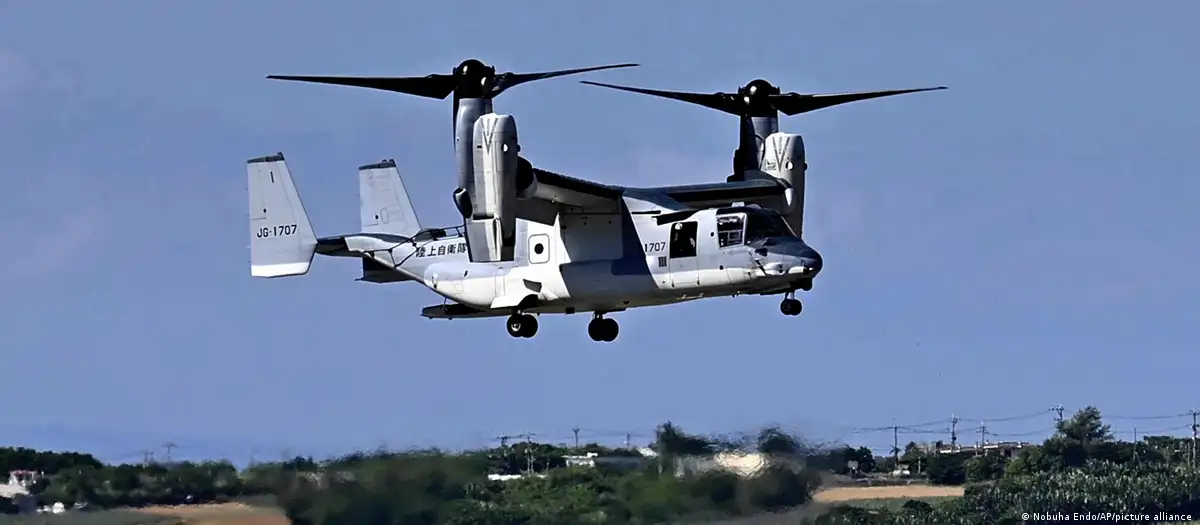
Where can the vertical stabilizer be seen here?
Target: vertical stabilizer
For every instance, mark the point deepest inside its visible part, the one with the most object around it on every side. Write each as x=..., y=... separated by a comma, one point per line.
x=385, y=206
x=282, y=241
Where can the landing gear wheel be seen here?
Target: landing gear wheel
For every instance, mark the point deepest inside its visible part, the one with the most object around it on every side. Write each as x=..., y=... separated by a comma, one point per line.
x=611, y=329
x=790, y=307
x=522, y=325
x=529, y=326
x=603, y=330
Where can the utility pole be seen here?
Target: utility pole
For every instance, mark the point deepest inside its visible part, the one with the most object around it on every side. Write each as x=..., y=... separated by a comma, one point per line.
x=627, y=439
x=954, y=432
x=148, y=456
x=1135, y=446
x=982, y=437
x=529, y=452
x=576, y=431
x=1194, y=429
x=896, y=445
x=169, y=446
x=1058, y=411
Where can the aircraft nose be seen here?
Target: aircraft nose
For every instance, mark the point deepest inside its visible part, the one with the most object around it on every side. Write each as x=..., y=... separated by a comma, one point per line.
x=813, y=261
x=807, y=263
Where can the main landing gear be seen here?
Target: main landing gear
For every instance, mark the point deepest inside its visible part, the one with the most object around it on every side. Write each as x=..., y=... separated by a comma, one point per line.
x=790, y=305
x=603, y=329
x=522, y=325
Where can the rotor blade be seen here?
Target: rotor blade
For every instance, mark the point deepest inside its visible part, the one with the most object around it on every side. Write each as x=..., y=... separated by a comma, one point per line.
x=507, y=80
x=796, y=103
x=718, y=101
x=432, y=86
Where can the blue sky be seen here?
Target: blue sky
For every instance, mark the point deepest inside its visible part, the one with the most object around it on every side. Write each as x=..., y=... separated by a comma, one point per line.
x=1016, y=242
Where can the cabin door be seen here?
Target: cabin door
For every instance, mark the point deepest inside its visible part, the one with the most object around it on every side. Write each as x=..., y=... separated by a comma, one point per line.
x=682, y=260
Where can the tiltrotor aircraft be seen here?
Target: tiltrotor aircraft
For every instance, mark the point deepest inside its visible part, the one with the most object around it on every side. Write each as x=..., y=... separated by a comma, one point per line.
x=537, y=242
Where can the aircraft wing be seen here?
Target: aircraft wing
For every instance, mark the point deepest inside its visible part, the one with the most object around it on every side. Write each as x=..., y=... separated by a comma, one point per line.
x=721, y=193
x=570, y=191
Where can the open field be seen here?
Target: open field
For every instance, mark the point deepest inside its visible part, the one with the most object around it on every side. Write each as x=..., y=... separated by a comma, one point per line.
x=221, y=514
x=849, y=494
x=214, y=514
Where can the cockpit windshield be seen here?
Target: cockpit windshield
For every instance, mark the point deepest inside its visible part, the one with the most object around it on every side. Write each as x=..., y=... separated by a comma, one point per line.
x=747, y=225
x=729, y=229
x=761, y=225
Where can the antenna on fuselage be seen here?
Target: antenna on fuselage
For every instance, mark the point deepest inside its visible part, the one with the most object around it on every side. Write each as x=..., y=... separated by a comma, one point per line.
x=758, y=105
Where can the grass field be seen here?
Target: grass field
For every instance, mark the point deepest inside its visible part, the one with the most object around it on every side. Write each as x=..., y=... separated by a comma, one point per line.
x=898, y=492
x=215, y=514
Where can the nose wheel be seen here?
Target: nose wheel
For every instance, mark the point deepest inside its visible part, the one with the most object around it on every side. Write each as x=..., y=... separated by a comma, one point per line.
x=602, y=329
x=790, y=306
x=522, y=325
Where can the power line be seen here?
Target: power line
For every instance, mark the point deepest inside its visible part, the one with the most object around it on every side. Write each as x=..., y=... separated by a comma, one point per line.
x=1023, y=434
x=1143, y=418
x=993, y=428
x=1056, y=411
x=1031, y=415
x=953, y=420
x=1154, y=431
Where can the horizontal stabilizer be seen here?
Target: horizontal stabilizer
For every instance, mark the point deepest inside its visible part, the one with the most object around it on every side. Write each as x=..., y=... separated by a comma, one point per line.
x=282, y=241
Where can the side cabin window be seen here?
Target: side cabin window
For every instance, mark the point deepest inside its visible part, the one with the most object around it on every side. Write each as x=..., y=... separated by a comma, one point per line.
x=729, y=230
x=539, y=248
x=763, y=225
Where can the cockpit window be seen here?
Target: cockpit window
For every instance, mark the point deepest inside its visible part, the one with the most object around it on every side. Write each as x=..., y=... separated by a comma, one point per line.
x=729, y=230
x=763, y=225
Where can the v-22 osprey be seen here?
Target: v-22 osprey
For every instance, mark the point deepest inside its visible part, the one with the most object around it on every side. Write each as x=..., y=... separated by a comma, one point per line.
x=536, y=242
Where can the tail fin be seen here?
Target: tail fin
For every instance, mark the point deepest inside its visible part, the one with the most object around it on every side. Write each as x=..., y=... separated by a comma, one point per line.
x=385, y=204
x=282, y=241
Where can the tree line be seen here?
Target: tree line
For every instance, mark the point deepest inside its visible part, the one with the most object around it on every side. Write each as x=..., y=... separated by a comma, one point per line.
x=1081, y=468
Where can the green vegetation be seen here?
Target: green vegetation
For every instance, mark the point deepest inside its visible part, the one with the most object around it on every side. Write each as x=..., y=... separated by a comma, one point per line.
x=1081, y=469
x=434, y=487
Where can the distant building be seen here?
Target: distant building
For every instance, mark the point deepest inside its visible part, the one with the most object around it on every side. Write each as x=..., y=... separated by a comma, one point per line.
x=509, y=477
x=1007, y=449
x=592, y=459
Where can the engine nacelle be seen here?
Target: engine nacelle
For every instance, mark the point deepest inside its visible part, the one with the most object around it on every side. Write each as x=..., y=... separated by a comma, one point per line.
x=527, y=184
x=462, y=202
x=783, y=158
x=495, y=193
x=469, y=110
